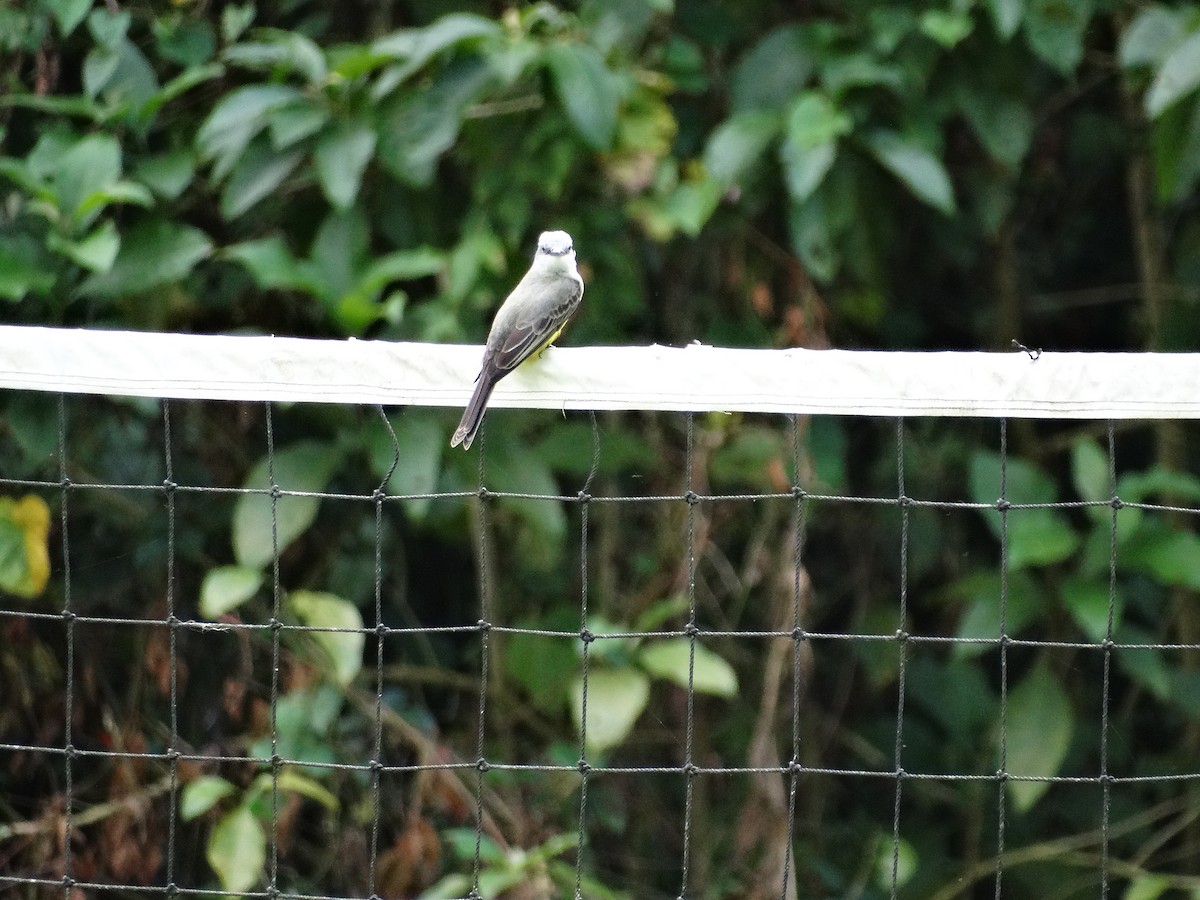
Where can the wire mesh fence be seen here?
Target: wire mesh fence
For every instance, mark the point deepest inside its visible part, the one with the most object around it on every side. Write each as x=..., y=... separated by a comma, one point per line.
x=828, y=690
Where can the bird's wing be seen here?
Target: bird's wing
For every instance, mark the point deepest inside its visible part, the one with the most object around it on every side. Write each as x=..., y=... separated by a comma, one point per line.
x=539, y=321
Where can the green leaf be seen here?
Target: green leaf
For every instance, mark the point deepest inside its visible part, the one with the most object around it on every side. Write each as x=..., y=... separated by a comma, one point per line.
x=42, y=163
x=256, y=175
x=894, y=867
x=21, y=268
x=1035, y=536
x=616, y=651
x=994, y=202
x=153, y=253
x=344, y=649
x=828, y=451
x=414, y=47
x=353, y=61
x=169, y=174
x=237, y=850
x=1172, y=487
x=567, y=449
x=1146, y=667
x=108, y=28
x=919, y=169
x=1006, y=16
x=1024, y=482
x=1168, y=555
x=855, y=70
x=1003, y=125
x=401, y=265
x=341, y=156
x=1055, y=31
x=178, y=86
x=130, y=83
x=813, y=119
x=292, y=780
x=671, y=658
x=29, y=175
x=69, y=13
x=1088, y=600
x=273, y=267
x=1039, y=726
x=90, y=166
x=619, y=23
x=956, y=694
x=1178, y=77
x=1175, y=142
x=750, y=458
x=686, y=208
x=1148, y=887
x=542, y=665
x=99, y=66
x=512, y=468
x=945, y=27
x=417, y=128
x=189, y=42
x=980, y=594
x=235, y=19
x=478, y=248
x=615, y=699
x=359, y=307
x=339, y=250
x=96, y=252
x=555, y=845
x=303, y=719
x=1089, y=470
x=306, y=466
x=294, y=122
x=1154, y=32
x=514, y=59
x=226, y=588
x=812, y=239
x=587, y=90
x=117, y=192
x=809, y=148
x=296, y=782
x=738, y=143
x=234, y=121
x=1039, y=537
x=774, y=71
x=1095, y=551
x=202, y=794
x=278, y=50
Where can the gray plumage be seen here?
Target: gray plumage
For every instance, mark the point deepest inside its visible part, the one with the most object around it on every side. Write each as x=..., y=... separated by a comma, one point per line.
x=532, y=316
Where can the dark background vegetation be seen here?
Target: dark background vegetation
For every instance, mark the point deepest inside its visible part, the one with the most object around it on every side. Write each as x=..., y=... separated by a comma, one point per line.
x=942, y=174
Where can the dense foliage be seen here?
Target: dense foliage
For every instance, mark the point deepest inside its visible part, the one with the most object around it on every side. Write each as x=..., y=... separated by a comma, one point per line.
x=936, y=174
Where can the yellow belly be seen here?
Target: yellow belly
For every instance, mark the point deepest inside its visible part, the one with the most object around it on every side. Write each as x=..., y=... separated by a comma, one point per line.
x=546, y=343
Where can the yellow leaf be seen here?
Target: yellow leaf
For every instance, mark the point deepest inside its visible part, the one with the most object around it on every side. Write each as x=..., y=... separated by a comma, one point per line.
x=24, y=554
x=32, y=514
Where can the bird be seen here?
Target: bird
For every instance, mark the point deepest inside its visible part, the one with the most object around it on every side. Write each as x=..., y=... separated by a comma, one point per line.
x=528, y=321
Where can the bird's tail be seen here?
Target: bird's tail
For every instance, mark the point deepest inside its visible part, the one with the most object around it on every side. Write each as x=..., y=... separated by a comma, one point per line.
x=473, y=415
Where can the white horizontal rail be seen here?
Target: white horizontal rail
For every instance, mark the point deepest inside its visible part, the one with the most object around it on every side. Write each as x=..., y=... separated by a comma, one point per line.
x=696, y=377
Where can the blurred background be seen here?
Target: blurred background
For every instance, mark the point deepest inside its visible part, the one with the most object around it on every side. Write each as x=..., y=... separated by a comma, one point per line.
x=942, y=174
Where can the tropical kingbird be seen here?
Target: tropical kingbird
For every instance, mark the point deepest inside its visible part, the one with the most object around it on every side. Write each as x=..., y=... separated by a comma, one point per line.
x=534, y=314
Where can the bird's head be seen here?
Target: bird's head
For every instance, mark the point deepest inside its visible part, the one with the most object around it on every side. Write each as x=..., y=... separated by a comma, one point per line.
x=555, y=250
